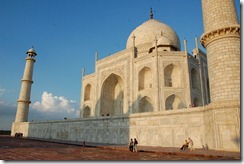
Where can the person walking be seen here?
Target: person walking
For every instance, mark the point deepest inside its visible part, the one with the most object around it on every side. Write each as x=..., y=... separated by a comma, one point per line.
x=135, y=145
x=131, y=145
x=190, y=141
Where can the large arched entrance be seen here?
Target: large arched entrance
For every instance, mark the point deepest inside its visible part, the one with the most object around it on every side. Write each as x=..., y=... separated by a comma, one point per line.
x=112, y=96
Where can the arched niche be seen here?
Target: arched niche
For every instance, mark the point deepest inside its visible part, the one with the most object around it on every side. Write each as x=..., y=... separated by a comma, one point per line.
x=87, y=92
x=145, y=105
x=174, y=102
x=145, y=78
x=87, y=112
x=172, y=76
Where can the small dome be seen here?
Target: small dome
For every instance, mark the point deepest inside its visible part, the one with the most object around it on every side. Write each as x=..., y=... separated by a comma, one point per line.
x=146, y=33
x=163, y=40
x=31, y=51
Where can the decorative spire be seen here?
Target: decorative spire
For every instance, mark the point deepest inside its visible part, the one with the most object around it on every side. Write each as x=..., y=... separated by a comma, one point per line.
x=151, y=13
x=196, y=41
x=185, y=45
x=96, y=56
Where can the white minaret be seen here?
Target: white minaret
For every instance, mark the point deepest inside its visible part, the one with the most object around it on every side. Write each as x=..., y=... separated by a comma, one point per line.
x=24, y=96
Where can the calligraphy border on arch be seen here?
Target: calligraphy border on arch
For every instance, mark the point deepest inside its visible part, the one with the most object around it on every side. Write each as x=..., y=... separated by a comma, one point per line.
x=177, y=63
x=116, y=70
x=169, y=93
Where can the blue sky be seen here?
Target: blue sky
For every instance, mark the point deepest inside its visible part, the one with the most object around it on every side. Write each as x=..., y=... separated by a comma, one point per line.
x=66, y=34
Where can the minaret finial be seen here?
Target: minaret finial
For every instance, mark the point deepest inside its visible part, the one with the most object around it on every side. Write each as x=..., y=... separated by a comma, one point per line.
x=151, y=13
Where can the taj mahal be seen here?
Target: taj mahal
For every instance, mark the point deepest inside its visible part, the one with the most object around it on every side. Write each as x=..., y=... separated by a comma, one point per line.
x=154, y=90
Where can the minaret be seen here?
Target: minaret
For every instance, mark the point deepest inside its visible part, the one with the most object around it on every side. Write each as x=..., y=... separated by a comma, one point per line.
x=221, y=39
x=24, y=96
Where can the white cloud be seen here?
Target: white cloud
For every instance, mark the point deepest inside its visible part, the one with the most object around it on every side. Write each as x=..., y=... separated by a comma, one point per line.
x=58, y=105
x=2, y=90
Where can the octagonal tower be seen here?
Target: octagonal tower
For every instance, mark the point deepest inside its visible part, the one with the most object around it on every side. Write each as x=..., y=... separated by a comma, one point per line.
x=221, y=39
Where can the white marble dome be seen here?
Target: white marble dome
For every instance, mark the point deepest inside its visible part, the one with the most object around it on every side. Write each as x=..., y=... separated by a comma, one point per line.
x=146, y=33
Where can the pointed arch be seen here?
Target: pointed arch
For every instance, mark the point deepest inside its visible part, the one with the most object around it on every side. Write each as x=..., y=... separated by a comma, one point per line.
x=194, y=79
x=112, y=96
x=173, y=102
x=87, y=92
x=145, y=105
x=172, y=76
x=145, y=78
x=87, y=112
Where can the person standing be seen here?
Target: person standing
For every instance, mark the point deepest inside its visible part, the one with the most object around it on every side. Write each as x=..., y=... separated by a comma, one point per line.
x=190, y=141
x=131, y=144
x=135, y=145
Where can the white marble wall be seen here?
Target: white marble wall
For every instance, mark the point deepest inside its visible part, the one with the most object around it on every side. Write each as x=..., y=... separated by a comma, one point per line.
x=219, y=128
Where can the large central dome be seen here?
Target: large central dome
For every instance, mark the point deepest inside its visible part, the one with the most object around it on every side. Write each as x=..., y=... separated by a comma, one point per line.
x=146, y=33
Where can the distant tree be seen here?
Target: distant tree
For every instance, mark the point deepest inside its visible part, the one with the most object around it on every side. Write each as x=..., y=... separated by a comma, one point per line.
x=5, y=132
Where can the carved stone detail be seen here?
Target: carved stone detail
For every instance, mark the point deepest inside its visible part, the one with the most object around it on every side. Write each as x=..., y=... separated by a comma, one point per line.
x=149, y=65
x=177, y=63
x=167, y=94
x=117, y=70
x=220, y=33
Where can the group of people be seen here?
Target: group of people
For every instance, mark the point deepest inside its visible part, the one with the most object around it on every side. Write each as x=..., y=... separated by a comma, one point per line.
x=18, y=135
x=133, y=145
x=188, y=144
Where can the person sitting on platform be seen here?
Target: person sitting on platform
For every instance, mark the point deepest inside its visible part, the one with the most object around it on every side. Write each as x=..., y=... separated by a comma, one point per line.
x=185, y=146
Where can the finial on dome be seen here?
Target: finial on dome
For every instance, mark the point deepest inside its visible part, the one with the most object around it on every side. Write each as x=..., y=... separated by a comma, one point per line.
x=151, y=13
x=83, y=72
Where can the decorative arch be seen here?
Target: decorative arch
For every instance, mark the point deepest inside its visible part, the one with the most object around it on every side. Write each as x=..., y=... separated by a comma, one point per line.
x=112, y=96
x=194, y=79
x=145, y=105
x=174, y=102
x=145, y=78
x=87, y=112
x=172, y=76
x=87, y=92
